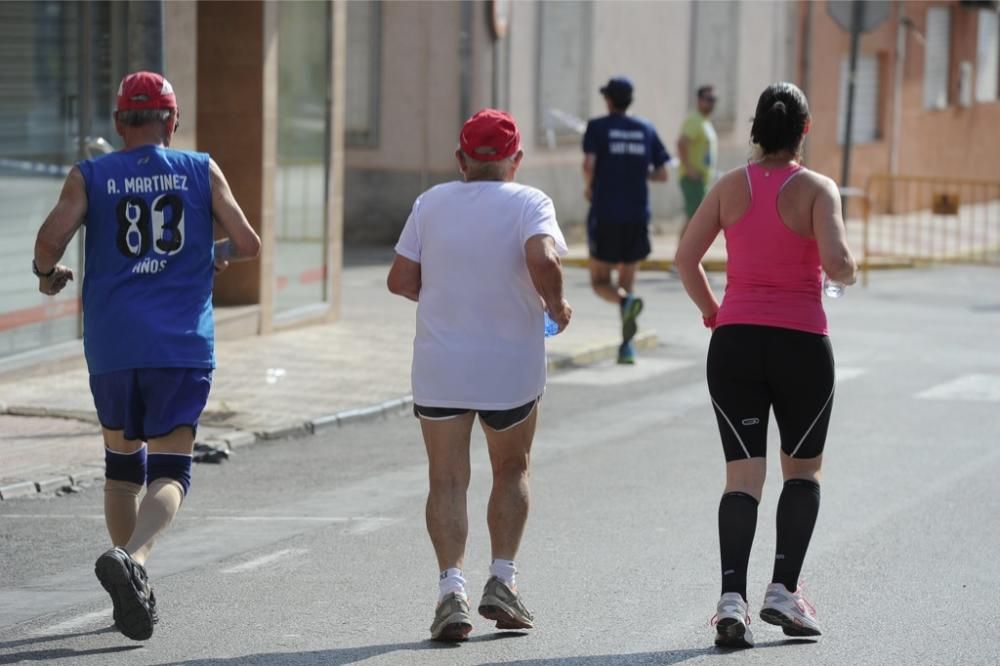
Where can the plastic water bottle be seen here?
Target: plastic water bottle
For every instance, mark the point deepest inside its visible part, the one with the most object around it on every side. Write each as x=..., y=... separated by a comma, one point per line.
x=551, y=328
x=832, y=288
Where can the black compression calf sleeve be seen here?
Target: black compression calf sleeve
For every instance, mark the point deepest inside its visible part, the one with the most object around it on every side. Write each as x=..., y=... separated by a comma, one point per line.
x=797, y=511
x=737, y=525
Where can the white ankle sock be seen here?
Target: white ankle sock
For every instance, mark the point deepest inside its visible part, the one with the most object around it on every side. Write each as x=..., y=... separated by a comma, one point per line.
x=451, y=581
x=505, y=571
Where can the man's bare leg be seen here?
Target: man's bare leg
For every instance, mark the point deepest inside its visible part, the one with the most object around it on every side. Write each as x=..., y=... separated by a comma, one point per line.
x=600, y=281
x=163, y=495
x=121, y=496
x=447, y=443
x=510, y=456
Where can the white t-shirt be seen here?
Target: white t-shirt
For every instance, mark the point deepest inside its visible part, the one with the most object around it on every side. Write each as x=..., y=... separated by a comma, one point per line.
x=480, y=341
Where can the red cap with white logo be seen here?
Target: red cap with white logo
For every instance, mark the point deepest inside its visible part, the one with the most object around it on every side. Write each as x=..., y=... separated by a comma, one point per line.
x=145, y=90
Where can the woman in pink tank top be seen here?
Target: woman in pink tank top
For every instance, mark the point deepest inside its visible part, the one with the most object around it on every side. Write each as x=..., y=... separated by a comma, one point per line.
x=769, y=350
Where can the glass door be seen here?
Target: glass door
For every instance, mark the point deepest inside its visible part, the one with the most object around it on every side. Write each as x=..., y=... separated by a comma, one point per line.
x=56, y=86
x=303, y=155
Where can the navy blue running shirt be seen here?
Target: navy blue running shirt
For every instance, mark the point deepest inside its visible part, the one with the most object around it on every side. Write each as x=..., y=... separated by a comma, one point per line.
x=625, y=147
x=147, y=287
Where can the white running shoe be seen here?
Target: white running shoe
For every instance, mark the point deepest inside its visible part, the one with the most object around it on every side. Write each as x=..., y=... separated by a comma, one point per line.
x=732, y=623
x=790, y=611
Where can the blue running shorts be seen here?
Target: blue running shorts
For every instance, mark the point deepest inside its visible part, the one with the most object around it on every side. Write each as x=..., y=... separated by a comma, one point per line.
x=151, y=402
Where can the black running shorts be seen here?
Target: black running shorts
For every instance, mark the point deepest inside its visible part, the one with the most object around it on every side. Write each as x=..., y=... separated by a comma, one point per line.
x=753, y=369
x=498, y=420
x=617, y=242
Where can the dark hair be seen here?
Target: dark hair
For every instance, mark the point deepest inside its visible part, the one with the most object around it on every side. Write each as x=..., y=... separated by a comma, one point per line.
x=781, y=118
x=705, y=90
x=620, y=100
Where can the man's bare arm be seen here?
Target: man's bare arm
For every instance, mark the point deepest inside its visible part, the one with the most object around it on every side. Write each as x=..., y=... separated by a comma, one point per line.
x=404, y=278
x=242, y=243
x=57, y=231
x=546, y=274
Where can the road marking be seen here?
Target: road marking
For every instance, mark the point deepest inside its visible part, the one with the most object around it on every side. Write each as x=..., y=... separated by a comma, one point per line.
x=610, y=373
x=848, y=373
x=369, y=525
x=975, y=388
x=75, y=623
x=264, y=560
x=236, y=519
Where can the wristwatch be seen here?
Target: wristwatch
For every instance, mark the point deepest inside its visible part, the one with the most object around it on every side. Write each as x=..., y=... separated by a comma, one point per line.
x=34, y=269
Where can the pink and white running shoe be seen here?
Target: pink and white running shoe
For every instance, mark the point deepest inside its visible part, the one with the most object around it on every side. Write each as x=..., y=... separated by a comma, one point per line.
x=790, y=611
x=732, y=623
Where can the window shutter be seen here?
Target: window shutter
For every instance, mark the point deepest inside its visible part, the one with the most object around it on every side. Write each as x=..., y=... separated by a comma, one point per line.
x=937, y=57
x=864, y=125
x=987, y=56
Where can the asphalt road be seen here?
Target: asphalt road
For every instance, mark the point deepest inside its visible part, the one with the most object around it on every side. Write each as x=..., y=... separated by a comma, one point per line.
x=314, y=552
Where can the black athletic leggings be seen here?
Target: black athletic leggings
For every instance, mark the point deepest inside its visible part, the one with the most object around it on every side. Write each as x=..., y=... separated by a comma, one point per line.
x=752, y=369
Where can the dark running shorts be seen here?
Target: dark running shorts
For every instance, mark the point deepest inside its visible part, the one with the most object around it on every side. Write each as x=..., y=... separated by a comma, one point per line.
x=147, y=403
x=618, y=242
x=753, y=369
x=499, y=420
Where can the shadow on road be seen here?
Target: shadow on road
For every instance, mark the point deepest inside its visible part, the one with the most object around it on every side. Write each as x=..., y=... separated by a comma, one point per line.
x=35, y=640
x=664, y=658
x=63, y=653
x=335, y=657
x=341, y=657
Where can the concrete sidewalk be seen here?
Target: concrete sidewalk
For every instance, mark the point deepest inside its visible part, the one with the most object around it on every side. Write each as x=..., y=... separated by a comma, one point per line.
x=287, y=384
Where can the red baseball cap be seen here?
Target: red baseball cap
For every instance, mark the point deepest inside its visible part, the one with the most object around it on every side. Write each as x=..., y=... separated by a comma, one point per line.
x=490, y=135
x=145, y=90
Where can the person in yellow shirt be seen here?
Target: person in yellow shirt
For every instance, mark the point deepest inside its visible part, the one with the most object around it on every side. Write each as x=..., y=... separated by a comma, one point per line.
x=697, y=147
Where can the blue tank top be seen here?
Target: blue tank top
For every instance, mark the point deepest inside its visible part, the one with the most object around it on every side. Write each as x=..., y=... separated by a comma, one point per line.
x=147, y=286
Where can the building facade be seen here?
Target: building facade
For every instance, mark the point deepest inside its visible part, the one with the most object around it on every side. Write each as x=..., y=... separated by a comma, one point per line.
x=927, y=91
x=260, y=87
x=417, y=69
x=329, y=117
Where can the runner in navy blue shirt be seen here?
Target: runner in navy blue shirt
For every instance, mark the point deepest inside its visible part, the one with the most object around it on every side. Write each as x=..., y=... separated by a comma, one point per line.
x=622, y=153
x=147, y=316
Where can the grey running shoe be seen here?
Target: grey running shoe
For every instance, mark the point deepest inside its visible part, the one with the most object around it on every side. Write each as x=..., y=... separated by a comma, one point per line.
x=126, y=582
x=631, y=308
x=732, y=623
x=452, y=621
x=504, y=605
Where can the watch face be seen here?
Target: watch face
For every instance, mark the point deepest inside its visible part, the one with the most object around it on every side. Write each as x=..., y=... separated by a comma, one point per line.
x=500, y=17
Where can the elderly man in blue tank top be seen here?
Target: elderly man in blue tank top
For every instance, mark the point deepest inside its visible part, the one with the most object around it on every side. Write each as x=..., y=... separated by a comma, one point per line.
x=147, y=318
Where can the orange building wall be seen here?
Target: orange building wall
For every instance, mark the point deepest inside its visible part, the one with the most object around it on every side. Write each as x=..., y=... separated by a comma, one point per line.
x=952, y=142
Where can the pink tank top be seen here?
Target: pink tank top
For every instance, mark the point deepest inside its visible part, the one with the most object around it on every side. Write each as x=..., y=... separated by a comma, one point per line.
x=773, y=275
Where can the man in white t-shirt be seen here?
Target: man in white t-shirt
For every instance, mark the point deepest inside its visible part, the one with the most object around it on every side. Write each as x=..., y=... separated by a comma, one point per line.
x=481, y=258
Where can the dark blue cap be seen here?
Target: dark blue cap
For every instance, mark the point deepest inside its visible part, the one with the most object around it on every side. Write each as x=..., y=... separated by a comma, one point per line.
x=618, y=87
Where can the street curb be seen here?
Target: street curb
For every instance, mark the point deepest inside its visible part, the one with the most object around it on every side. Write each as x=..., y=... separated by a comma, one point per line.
x=46, y=412
x=382, y=410
x=18, y=489
x=53, y=483
x=719, y=265
x=235, y=439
